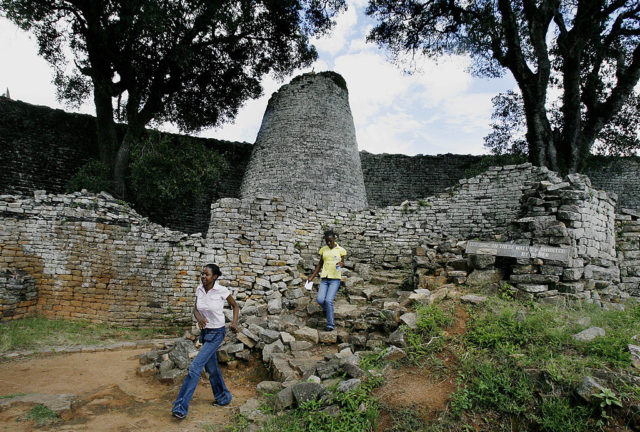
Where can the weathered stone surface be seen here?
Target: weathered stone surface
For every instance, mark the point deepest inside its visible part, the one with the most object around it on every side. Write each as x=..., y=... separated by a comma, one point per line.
x=588, y=388
x=172, y=376
x=303, y=392
x=57, y=403
x=300, y=345
x=409, y=319
x=328, y=337
x=147, y=370
x=348, y=385
x=287, y=338
x=270, y=387
x=397, y=338
x=533, y=288
x=484, y=277
x=352, y=370
x=179, y=354
x=246, y=340
x=284, y=399
x=269, y=336
x=635, y=355
x=307, y=334
x=473, y=299
x=394, y=353
x=479, y=261
x=589, y=334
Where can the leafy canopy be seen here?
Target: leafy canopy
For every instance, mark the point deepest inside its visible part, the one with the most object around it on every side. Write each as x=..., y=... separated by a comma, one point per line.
x=588, y=50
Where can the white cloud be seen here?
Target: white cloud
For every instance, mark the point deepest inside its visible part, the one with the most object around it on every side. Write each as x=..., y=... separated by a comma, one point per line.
x=336, y=40
x=386, y=133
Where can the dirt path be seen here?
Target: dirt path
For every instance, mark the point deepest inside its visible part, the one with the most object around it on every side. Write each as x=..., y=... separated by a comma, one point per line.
x=111, y=397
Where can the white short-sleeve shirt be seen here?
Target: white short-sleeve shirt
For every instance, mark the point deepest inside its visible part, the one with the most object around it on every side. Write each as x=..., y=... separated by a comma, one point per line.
x=210, y=304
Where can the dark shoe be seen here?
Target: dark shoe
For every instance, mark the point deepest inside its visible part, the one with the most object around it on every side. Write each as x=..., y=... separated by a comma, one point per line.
x=178, y=415
x=329, y=328
x=216, y=404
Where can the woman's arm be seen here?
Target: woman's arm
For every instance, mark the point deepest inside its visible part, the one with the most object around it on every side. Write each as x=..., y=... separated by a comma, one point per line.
x=236, y=312
x=318, y=267
x=202, y=321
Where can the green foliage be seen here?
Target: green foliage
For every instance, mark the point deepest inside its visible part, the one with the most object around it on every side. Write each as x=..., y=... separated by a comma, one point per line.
x=406, y=420
x=611, y=348
x=503, y=387
x=42, y=415
x=169, y=173
x=358, y=412
x=557, y=415
x=93, y=176
x=606, y=400
x=427, y=337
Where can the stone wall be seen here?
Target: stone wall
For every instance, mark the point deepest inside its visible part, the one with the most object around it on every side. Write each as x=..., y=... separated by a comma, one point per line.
x=42, y=148
x=268, y=241
x=88, y=257
x=628, y=248
x=618, y=175
x=306, y=148
x=391, y=179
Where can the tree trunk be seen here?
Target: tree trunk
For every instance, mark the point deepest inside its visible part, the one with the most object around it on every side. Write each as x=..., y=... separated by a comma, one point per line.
x=133, y=133
x=105, y=126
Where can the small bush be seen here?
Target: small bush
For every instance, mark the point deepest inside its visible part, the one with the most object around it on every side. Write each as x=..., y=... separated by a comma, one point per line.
x=93, y=176
x=42, y=415
x=505, y=388
x=557, y=415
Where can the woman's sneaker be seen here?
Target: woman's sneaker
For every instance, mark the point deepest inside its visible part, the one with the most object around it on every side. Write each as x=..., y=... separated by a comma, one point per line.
x=178, y=415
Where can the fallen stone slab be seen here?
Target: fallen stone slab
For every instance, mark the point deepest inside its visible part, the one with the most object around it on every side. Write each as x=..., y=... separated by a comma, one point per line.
x=589, y=334
x=348, y=385
x=473, y=299
x=410, y=320
x=57, y=403
x=635, y=355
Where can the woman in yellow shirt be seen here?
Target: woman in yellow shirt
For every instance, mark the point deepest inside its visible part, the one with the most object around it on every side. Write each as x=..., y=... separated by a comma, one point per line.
x=331, y=262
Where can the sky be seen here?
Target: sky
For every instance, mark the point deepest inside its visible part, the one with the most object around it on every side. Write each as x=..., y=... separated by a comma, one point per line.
x=440, y=108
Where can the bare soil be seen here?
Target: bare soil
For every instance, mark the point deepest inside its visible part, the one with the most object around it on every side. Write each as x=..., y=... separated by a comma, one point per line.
x=111, y=397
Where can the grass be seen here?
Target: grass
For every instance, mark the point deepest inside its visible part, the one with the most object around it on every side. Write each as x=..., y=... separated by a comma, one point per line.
x=519, y=363
x=34, y=333
x=42, y=415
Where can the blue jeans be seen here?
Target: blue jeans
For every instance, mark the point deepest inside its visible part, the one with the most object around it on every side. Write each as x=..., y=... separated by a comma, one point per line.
x=208, y=360
x=326, y=294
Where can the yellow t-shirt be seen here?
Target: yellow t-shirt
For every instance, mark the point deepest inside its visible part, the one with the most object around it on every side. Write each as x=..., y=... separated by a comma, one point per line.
x=330, y=258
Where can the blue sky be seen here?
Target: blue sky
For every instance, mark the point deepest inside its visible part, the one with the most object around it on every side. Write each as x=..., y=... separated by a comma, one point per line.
x=438, y=109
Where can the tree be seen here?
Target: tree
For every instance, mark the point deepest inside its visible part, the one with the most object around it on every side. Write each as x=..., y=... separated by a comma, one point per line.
x=619, y=137
x=189, y=62
x=586, y=42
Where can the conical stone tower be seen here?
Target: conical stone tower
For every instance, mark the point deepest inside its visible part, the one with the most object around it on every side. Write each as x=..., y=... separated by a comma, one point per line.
x=306, y=149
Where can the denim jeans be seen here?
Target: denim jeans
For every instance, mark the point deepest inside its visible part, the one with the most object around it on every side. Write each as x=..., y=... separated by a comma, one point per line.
x=208, y=360
x=326, y=294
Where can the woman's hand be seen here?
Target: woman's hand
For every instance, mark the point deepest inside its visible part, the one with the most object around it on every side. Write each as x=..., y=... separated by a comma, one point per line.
x=233, y=327
x=202, y=323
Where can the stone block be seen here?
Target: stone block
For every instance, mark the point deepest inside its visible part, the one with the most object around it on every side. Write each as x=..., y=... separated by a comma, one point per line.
x=306, y=334
x=484, y=277
x=589, y=334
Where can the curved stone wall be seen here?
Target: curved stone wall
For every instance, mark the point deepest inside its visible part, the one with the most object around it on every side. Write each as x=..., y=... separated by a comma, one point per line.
x=306, y=149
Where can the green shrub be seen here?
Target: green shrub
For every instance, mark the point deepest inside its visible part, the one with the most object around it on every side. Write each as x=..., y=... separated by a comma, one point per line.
x=42, y=415
x=611, y=348
x=93, y=176
x=169, y=173
x=504, y=388
x=557, y=415
x=427, y=337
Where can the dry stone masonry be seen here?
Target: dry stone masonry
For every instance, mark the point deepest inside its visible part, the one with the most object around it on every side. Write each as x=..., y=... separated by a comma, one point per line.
x=306, y=149
x=89, y=256
x=84, y=256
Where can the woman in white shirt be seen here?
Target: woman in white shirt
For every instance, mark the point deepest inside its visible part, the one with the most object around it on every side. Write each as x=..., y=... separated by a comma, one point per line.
x=210, y=298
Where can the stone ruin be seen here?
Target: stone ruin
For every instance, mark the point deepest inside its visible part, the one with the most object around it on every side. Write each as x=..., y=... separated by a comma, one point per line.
x=306, y=148
x=521, y=228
